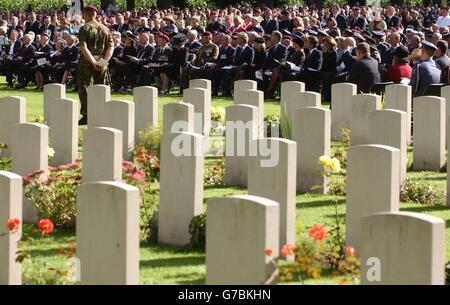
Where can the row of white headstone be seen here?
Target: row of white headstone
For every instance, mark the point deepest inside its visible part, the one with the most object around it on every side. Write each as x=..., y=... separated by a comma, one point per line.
x=273, y=211
x=239, y=228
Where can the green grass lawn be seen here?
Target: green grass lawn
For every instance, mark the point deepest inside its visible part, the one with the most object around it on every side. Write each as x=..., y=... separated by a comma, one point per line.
x=168, y=265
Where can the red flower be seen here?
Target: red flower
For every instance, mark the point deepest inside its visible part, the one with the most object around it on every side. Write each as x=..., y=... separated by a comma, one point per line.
x=318, y=232
x=350, y=251
x=13, y=224
x=45, y=226
x=268, y=252
x=287, y=250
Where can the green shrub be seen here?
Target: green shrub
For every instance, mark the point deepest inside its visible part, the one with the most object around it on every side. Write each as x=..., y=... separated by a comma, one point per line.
x=197, y=230
x=411, y=191
x=5, y=162
x=285, y=124
x=272, y=122
x=215, y=173
x=149, y=217
x=150, y=139
x=447, y=273
x=55, y=197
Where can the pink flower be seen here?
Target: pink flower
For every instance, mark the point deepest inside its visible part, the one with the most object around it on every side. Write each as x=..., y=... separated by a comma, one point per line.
x=268, y=252
x=63, y=167
x=137, y=175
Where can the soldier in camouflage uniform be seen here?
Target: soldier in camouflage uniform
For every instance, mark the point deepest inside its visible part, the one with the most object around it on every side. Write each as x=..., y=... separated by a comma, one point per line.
x=95, y=43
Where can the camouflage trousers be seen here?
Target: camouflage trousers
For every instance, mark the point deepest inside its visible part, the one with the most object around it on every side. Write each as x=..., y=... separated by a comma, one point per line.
x=86, y=77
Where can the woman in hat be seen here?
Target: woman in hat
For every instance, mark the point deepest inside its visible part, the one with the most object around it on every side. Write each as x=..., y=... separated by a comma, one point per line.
x=400, y=67
x=170, y=27
x=177, y=59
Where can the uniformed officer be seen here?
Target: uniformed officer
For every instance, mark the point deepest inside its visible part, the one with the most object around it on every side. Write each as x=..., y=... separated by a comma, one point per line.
x=425, y=71
x=96, y=43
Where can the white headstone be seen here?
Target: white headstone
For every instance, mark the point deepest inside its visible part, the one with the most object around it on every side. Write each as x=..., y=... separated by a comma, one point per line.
x=241, y=131
x=372, y=186
x=98, y=96
x=311, y=128
x=201, y=100
x=146, y=109
x=289, y=92
x=108, y=233
x=341, y=108
x=200, y=83
x=29, y=151
x=252, y=98
x=245, y=84
x=120, y=115
x=238, y=231
x=429, y=134
x=362, y=104
x=178, y=117
x=102, y=154
x=402, y=248
x=12, y=112
x=10, y=208
x=399, y=97
x=388, y=127
x=181, y=186
x=52, y=92
x=275, y=180
x=303, y=100
x=63, y=114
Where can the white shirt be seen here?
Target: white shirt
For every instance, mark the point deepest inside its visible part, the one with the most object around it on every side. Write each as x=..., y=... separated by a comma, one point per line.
x=443, y=21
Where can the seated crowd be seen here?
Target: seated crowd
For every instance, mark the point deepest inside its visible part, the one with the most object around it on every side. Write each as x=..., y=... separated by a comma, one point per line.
x=365, y=45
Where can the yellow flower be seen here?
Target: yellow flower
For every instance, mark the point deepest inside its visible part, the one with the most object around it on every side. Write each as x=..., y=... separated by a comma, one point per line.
x=335, y=165
x=39, y=119
x=325, y=161
x=51, y=152
x=330, y=164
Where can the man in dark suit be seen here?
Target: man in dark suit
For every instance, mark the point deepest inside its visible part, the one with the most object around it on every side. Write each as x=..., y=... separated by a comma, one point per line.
x=192, y=44
x=341, y=19
x=310, y=74
x=20, y=63
x=269, y=24
x=214, y=25
x=47, y=26
x=120, y=25
x=392, y=20
x=358, y=21
x=364, y=72
x=286, y=23
x=122, y=61
x=143, y=57
x=243, y=56
x=33, y=25
x=425, y=72
x=226, y=55
x=345, y=63
x=15, y=46
x=276, y=53
x=13, y=24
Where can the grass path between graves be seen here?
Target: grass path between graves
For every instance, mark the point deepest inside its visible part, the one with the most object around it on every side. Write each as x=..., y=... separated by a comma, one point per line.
x=177, y=265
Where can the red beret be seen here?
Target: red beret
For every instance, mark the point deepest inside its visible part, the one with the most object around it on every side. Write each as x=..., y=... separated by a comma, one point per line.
x=90, y=8
x=207, y=34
